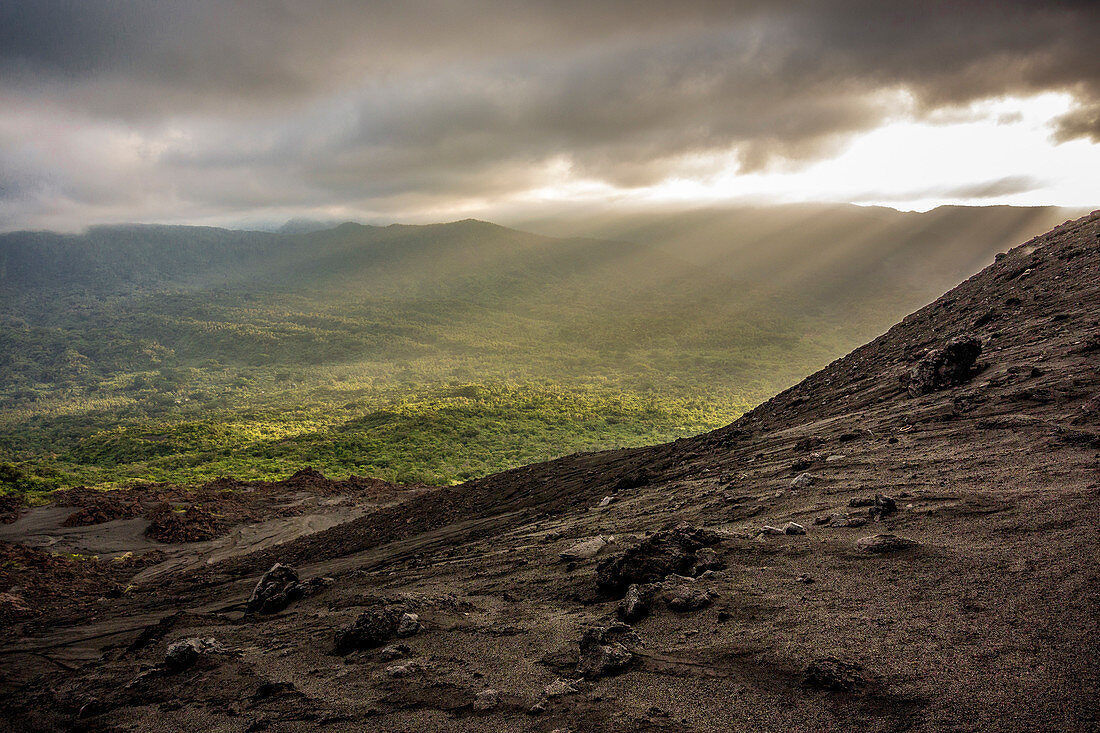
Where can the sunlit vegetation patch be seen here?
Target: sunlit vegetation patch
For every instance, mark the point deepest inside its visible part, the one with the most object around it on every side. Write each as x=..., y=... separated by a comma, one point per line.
x=416, y=357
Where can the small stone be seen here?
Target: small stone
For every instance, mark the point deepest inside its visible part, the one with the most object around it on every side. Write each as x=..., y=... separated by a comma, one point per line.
x=636, y=603
x=802, y=481
x=882, y=543
x=267, y=690
x=684, y=598
x=398, y=670
x=846, y=520
x=806, y=579
x=793, y=528
x=560, y=686
x=830, y=673
x=486, y=699
x=370, y=629
x=809, y=443
x=651, y=560
x=277, y=588
x=605, y=502
x=602, y=650
x=90, y=709
x=883, y=507
x=409, y=625
x=767, y=529
x=948, y=366
x=584, y=550
x=707, y=560
x=182, y=654
x=394, y=651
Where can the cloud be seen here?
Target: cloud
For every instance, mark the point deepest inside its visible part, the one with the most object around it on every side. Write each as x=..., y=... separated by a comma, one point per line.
x=213, y=107
x=981, y=190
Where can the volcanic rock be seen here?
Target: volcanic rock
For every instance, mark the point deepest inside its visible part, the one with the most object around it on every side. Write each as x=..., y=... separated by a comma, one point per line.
x=584, y=550
x=661, y=554
x=948, y=366
x=182, y=654
x=635, y=605
x=603, y=651
x=681, y=596
x=802, y=480
x=486, y=699
x=882, y=543
x=370, y=629
x=830, y=673
x=277, y=589
x=883, y=507
x=409, y=625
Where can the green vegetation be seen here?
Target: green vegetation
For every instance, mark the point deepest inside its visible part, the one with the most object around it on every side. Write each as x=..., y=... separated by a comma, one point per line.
x=431, y=354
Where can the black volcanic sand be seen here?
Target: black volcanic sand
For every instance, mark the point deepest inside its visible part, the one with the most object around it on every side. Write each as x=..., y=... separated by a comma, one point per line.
x=988, y=622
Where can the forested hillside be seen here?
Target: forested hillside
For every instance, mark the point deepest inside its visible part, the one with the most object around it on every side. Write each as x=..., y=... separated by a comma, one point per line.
x=434, y=353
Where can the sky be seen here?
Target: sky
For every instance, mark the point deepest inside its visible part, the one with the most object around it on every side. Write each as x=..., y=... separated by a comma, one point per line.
x=249, y=112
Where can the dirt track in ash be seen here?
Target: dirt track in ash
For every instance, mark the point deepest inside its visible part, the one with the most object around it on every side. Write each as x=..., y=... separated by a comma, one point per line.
x=986, y=620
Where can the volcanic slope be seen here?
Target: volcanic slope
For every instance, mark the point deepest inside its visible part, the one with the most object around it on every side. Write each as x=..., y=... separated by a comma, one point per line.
x=975, y=606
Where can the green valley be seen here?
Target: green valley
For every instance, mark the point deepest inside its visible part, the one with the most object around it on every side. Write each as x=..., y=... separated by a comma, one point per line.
x=412, y=353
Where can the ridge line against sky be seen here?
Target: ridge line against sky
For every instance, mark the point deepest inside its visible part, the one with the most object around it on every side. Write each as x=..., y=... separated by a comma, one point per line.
x=207, y=112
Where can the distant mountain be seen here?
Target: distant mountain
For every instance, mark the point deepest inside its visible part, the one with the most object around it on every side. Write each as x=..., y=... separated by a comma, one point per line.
x=305, y=226
x=394, y=257
x=822, y=254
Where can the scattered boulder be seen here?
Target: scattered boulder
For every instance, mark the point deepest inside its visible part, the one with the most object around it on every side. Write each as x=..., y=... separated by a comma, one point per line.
x=944, y=367
x=408, y=625
x=399, y=670
x=809, y=443
x=793, y=528
x=706, y=559
x=830, y=673
x=584, y=550
x=635, y=605
x=654, y=558
x=184, y=653
x=632, y=480
x=394, y=651
x=269, y=689
x=684, y=596
x=603, y=652
x=486, y=699
x=882, y=507
x=803, y=480
x=277, y=589
x=560, y=687
x=605, y=502
x=841, y=519
x=370, y=629
x=883, y=543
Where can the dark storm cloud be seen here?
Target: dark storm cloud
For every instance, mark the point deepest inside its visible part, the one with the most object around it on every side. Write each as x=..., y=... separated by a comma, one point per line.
x=277, y=103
